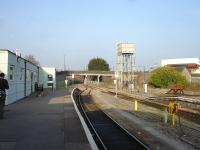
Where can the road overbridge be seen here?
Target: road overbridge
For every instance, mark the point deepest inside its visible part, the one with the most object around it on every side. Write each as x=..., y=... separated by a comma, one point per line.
x=95, y=76
x=87, y=76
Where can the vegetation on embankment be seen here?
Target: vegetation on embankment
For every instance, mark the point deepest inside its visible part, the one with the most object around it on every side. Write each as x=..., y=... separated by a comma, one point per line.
x=165, y=77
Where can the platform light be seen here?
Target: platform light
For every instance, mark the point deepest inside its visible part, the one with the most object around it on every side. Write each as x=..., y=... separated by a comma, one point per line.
x=116, y=77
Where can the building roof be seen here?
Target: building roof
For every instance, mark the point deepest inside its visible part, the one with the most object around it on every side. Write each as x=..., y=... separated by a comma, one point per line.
x=189, y=66
x=180, y=61
x=18, y=56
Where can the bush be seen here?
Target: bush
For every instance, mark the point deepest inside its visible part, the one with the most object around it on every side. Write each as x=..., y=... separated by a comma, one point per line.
x=165, y=77
x=98, y=64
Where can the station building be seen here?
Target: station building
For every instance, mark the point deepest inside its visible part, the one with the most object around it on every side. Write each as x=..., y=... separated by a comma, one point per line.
x=22, y=75
x=189, y=67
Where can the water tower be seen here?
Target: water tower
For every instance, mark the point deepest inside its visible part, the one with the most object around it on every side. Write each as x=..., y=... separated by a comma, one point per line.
x=124, y=64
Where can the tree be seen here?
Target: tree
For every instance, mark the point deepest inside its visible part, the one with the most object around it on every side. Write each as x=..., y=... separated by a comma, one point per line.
x=98, y=64
x=32, y=59
x=164, y=77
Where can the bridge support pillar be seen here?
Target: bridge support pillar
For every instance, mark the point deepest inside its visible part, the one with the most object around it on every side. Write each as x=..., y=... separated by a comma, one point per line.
x=85, y=80
x=98, y=79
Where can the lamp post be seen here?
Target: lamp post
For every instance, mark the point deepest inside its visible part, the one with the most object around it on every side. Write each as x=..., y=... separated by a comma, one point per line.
x=145, y=84
x=116, y=78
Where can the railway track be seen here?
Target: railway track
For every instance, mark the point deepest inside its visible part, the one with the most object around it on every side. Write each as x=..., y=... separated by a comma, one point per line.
x=190, y=136
x=184, y=132
x=161, y=106
x=107, y=133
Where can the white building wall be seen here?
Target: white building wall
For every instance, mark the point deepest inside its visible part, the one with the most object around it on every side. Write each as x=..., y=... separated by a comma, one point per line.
x=31, y=78
x=187, y=74
x=196, y=71
x=22, y=76
x=17, y=72
x=41, y=76
x=4, y=62
x=49, y=71
x=16, y=83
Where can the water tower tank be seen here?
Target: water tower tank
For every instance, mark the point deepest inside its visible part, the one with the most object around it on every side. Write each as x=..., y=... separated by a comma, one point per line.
x=125, y=48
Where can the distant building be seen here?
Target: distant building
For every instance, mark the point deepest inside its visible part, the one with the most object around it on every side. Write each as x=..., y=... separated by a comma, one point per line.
x=189, y=67
x=185, y=72
x=49, y=77
x=180, y=61
x=22, y=75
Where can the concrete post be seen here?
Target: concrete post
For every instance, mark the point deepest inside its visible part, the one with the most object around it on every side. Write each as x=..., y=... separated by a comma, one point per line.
x=66, y=83
x=173, y=119
x=116, y=89
x=136, y=105
x=165, y=115
x=145, y=88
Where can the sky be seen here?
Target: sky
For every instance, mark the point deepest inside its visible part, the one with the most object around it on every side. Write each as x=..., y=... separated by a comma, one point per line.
x=80, y=30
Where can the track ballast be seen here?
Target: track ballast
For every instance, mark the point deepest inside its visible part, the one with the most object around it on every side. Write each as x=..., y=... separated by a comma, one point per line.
x=106, y=132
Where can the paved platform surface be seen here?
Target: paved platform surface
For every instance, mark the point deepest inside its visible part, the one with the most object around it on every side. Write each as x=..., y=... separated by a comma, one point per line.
x=48, y=122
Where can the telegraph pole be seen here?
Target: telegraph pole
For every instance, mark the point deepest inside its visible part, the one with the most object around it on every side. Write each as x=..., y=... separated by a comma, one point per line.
x=64, y=64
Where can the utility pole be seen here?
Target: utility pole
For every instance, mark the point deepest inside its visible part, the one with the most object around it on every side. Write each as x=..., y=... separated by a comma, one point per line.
x=116, y=78
x=64, y=64
x=144, y=75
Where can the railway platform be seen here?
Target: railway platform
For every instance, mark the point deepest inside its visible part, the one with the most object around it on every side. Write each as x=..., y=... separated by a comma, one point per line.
x=46, y=122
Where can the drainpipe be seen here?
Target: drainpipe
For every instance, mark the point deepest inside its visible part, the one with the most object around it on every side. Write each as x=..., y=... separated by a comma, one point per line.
x=38, y=74
x=25, y=79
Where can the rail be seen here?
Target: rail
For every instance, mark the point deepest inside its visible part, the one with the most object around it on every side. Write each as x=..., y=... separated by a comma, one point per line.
x=108, y=134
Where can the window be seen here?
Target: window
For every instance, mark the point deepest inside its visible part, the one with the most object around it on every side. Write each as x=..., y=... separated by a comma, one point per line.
x=50, y=77
x=11, y=74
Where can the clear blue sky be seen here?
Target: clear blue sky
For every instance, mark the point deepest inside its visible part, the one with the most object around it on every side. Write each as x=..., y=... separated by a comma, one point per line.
x=83, y=29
